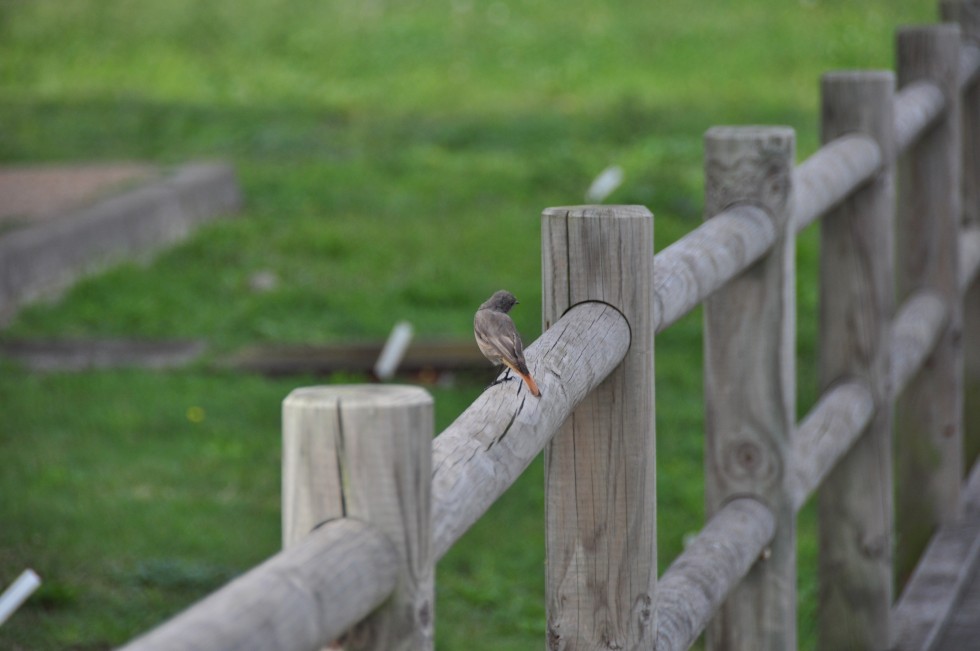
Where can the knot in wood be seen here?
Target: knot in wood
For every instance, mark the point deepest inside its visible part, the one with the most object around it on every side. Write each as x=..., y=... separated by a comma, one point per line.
x=642, y=616
x=425, y=615
x=875, y=547
x=777, y=186
x=554, y=638
x=748, y=460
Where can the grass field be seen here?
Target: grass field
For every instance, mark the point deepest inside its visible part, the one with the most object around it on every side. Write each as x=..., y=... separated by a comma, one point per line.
x=395, y=157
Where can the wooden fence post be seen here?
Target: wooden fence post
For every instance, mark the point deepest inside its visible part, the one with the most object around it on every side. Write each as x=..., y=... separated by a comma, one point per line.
x=600, y=481
x=750, y=384
x=365, y=452
x=928, y=417
x=856, y=308
x=967, y=14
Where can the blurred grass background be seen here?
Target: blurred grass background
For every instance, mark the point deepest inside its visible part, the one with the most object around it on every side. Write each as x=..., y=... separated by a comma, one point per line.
x=395, y=157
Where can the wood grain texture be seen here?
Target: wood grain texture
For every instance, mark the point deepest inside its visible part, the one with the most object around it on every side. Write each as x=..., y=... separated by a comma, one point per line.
x=600, y=483
x=698, y=581
x=918, y=106
x=969, y=65
x=832, y=173
x=490, y=444
x=969, y=258
x=749, y=380
x=931, y=596
x=960, y=631
x=374, y=444
x=929, y=435
x=918, y=325
x=967, y=15
x=828, y=431
x=970, y=285
x=690, y=269
x=301, y=598
x=856, y=307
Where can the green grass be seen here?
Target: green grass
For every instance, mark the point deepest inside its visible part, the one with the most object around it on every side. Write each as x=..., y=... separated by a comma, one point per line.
x=395, y=158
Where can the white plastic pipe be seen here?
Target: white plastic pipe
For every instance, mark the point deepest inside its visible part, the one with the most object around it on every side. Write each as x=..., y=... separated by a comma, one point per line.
x=604, y=184
x=17, y=593
x=393, y=351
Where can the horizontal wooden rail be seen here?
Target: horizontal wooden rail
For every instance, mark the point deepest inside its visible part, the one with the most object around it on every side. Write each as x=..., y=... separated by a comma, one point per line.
x=915, y=331
x=969, y=256
x=931, y=595
x=317, y=589
x=693, y=267
x=696, y=265
x=825, y=434
x=839, y=417
x=483, y=452
x=917, y=106
x=831, y=174
x=699, y=580
x=301, y=598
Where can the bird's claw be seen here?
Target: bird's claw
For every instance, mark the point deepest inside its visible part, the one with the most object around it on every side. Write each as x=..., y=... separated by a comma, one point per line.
x=507, y=376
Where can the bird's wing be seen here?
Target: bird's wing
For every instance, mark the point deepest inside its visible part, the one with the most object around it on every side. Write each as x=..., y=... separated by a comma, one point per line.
x=498, y=338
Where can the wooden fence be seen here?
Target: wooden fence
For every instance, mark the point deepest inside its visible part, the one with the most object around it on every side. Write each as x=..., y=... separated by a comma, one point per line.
x=898, y=305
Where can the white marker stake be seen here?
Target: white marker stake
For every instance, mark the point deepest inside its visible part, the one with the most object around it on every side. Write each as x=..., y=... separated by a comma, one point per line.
x=394, y=350
x=607, y=181
x=17, y=593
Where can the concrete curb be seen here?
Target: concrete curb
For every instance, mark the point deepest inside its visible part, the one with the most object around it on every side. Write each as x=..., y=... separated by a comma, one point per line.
x=49, y=256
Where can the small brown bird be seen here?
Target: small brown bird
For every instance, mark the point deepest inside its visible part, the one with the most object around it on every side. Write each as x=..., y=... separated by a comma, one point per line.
x=498, y=339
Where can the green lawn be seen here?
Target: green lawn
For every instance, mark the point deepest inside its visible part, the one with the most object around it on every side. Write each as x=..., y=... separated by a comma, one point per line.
x=395, y=158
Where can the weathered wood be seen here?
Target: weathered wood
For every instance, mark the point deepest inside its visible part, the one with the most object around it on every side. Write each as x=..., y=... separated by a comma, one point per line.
x=301, y=598
x=856, y=306
x=831, y=174
x=970, y=285
x=967, y=15
x=971, y=373
x=916, y=329
x=960, y=630
x=969, y=259
x=698, y=581
x=749, y=380
x=929, y=435
x=600, y=483
x=917, y=107
x=690, y=269
x=365, y=452
x=948, y=563
x=483, y=452
x=969, y=66
x=825, y=434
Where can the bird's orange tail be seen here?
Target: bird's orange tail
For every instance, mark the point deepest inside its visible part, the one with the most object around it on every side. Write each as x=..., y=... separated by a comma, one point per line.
x=531, y=385
x=526, y=376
